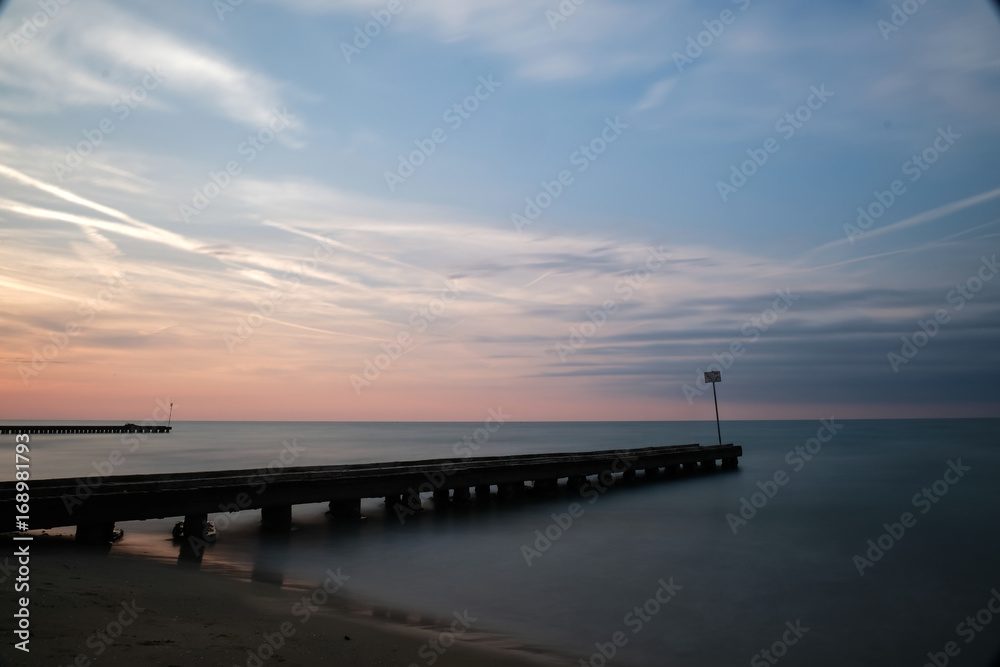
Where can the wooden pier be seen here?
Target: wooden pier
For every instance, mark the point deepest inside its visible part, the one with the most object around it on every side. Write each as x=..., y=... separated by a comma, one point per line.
x=87, y=428
x=95, y=504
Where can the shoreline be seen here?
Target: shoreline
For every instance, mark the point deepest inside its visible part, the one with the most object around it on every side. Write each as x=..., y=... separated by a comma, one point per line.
x=94, y=607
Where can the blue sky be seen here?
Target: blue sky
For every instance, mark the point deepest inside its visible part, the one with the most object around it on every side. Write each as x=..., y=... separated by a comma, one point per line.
x=201, y=82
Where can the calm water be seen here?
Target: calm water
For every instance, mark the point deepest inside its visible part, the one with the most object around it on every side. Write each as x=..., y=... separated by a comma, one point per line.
x=791, y=562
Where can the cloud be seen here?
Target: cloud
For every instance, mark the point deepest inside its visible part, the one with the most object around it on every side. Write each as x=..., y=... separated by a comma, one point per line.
x=332, y=274
x=598, y=40
x=932, y=215
x=655, y=94
x=62, y=66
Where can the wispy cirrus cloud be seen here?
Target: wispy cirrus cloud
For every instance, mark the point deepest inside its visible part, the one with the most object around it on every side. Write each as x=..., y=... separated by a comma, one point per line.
x=597, y=40
x=98, y=52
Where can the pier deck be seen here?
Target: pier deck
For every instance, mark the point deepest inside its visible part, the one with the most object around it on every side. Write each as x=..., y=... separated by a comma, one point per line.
x=95, y=504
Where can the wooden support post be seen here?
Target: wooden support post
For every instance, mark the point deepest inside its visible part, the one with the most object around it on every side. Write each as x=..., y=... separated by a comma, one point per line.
x=730, y=463
x=650, y=473
x=441, y=495
x=708, y=464
x=628, y=475
x=545, y=485
x=510, y=490
x=276, y=518
x=483, y=493
x=96, y=533
x=194, y=525
x=462, y=494
x=574, y=482
x=345, y=510
x=413, y=501
x=672, y=469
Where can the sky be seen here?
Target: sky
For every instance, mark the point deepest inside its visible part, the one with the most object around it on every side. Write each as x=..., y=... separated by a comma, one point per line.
x=423, y=210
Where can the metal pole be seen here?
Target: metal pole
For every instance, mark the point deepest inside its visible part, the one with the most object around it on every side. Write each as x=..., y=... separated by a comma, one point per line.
x=717, y=427
x=172, y=413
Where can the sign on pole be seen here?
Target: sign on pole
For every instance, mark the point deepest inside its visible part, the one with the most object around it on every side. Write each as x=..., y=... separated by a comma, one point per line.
x=713, y=377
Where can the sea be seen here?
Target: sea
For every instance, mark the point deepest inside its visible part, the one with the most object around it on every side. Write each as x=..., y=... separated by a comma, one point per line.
x=835, y=542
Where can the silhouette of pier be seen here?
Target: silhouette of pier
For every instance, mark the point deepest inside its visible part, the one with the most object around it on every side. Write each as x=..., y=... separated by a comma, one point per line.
x=85, y=428
x=95, y=504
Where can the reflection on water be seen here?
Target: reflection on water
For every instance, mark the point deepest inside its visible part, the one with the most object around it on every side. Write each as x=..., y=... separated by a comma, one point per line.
x=271, y=558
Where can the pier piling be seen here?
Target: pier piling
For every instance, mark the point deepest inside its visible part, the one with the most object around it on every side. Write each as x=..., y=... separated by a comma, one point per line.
x=195, y=524
x=345, y=510
x=276, y=518
x=95, y=533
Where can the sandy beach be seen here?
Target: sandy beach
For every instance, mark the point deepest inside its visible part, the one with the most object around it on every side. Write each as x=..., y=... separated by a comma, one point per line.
x=97, y=608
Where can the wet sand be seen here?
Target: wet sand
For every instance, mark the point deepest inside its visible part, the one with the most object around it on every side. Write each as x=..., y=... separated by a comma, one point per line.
x=96, y=608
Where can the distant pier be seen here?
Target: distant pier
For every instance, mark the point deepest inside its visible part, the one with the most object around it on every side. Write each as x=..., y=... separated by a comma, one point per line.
x=94, y=507
x=90, y=428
